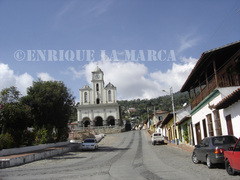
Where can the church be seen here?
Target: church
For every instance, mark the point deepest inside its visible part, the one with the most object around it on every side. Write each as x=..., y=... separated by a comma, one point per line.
x=98, y=104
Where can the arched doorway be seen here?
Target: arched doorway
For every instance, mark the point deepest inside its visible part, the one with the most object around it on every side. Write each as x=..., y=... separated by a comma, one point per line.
x=111, y=121
x=98, y=121
x=86, y=122
x=98, y=101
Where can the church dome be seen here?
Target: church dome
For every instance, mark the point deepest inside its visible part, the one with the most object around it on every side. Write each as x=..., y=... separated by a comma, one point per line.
x=98, y=69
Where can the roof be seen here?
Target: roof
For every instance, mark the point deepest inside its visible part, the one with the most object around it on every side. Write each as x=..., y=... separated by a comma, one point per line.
x=161, y=112
x=222, y=54
x=167, y=119
x=85, y=87
x=97, y=69
x=110, y=85
x=183, y=119
x=229, y=100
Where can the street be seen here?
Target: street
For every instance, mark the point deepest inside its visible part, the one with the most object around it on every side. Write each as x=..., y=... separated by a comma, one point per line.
x=127, y=155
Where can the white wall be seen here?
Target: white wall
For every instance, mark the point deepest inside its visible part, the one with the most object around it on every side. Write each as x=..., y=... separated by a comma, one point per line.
x=234, y=110
x=201, y=114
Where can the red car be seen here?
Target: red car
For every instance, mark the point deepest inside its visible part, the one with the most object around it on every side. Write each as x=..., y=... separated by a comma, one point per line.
x=232, y=159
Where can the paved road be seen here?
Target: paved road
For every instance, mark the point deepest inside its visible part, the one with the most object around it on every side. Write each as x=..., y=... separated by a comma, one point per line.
x=127, y=155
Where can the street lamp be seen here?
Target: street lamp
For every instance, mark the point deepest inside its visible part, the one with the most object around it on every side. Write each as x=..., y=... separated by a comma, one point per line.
x=174, y=118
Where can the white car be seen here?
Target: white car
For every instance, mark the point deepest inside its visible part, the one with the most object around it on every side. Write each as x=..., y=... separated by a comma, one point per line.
x=157, y=138
x=89, y=144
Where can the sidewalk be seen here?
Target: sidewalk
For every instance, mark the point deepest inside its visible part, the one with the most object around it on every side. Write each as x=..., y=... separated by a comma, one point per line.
x=22, y=158
x=184, y=147
x=19, y=159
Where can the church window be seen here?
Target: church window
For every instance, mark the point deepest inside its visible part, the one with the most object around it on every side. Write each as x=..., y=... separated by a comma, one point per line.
x=97, y=87
x=98, y=101
x=109, y=96
x=85, y=97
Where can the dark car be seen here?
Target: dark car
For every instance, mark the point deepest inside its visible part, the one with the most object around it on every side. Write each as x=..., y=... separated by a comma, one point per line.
x=211, y=150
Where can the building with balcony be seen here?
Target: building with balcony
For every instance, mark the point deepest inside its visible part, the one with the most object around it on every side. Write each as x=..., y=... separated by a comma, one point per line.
x=215, y=76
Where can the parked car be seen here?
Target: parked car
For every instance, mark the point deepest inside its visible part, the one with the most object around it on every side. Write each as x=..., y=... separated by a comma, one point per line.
x=157, y=138
x=211, y=149
x=232, y=159
x=89, y=144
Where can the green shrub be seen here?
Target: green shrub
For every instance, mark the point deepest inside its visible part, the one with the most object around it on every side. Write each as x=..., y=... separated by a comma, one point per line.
x=43, y=136
x=62, y=134
x=29, y=138
x=6, y=141
x=185, y=136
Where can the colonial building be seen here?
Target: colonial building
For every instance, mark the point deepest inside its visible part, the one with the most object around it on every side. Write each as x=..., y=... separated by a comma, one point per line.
x=213, y=87
x=157, y=118
x=98, y=105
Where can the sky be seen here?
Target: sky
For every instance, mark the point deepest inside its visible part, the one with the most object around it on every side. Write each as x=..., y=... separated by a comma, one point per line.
x=142, y=46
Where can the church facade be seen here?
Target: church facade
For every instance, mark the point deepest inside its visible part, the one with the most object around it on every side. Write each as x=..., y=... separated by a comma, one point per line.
x=98, y=104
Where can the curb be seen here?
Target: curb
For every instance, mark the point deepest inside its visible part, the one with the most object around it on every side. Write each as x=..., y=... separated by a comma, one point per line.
x=19, y=159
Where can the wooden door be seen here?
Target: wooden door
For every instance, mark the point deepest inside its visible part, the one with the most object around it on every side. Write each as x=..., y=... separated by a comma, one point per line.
x=229, y=124
x=198, y=133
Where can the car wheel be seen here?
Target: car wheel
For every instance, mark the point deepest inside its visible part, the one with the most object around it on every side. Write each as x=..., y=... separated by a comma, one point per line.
x=229, y=169
x=209, y=163
x=195, y=159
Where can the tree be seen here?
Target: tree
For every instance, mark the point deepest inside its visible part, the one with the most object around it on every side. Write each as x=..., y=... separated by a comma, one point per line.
x=9, y=95
x=51, y=106
x=14, y=116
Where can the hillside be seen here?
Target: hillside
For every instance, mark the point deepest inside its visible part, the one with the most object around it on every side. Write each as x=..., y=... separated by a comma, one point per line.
x=163, y=103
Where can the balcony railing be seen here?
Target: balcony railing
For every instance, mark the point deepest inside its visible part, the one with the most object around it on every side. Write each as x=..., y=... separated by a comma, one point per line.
x=205, y=92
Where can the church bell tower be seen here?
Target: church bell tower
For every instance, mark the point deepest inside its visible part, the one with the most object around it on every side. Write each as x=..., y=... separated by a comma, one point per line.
x=98, y=86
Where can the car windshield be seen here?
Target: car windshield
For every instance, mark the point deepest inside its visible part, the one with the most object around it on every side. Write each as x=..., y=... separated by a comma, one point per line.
x=224, y=140
x=89, y=141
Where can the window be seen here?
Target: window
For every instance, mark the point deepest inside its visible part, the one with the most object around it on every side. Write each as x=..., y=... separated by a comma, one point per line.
x=160, y=118
x=98, y=101
x=210, y=125
x=237, y=148
x=229, y=124
x=97, y=87
x=219, y=141
x=85, y=97
x=217, y=122
x=109, y=95
x=204, y=128
x=206, y=143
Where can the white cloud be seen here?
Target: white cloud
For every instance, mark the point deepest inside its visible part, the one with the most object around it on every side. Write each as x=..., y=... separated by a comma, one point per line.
x=45, y=76
x=23, y=82
x=187, y=42
x=133, y=79
x=76, y=74
x=8, y=78
x=176, y=76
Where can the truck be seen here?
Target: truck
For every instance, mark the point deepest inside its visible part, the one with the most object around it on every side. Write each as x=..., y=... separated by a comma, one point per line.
x=232, y=159
x=157, y=138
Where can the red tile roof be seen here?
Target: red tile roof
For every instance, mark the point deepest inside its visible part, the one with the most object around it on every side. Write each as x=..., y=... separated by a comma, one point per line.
x=229, y=100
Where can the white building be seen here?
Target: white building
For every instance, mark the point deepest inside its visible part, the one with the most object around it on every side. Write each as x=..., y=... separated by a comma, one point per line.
x=213, y=87
x=98, y=105
x=230, y=105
